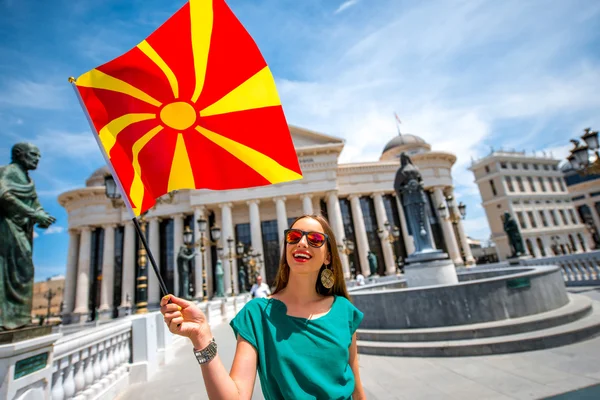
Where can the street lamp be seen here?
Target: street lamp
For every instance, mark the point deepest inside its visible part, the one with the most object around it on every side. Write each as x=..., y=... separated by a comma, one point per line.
x=239, y=253
x=579, y=158
x=215, y=235
x=391, y=234
x=347, y=248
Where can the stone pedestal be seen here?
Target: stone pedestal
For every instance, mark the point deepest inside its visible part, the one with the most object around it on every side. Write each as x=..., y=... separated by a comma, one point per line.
x=517, y=260
x=26, y=368
x=430, y=273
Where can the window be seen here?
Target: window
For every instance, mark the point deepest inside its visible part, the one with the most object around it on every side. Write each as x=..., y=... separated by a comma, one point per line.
x=368, y=208
x=541, y=247
x=525, y=166
x=529, y=247
x=573, y=217
x=561, y=184
x=563, y=216
x=552, y=186
x=581, y=242
x=509, y=183
x=542, y=185
x=521, y=218
x=503, y=165
x=546, y=167
x=493, y=187
x=531, y=183
x=543, y=218
x=487, y=169
x=531, y=219
x=514, y=165
x=573, y=245
x=554, y=219
x=554, y=168
x=536, y=167
x=520, y=183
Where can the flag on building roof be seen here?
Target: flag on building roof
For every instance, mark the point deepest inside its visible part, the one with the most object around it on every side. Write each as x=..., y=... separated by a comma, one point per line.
x=193, y=106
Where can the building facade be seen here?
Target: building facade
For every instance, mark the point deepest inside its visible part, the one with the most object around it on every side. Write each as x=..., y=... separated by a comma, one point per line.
x=585, y=195
x=358, y=199
x=533, y=191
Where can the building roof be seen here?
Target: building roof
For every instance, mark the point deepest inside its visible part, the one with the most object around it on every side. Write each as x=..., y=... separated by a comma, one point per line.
x=97, y=178
x=403, y=140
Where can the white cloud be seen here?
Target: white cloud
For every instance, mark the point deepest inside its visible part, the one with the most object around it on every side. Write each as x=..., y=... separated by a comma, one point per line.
x=80, y=146
x=52, y=230
x=35, y=234
x=31, y=94
x=345, y=5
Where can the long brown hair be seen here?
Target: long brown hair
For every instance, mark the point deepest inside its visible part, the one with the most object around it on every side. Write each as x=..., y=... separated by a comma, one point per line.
x=339, y=287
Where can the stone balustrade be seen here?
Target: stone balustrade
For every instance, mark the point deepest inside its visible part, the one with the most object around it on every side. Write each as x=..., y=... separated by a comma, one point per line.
x=93, y=363
x=581, y=269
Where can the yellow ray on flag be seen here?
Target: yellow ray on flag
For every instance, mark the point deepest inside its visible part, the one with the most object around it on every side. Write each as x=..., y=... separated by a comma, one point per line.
x=108, y=134
x=201, y=15
x=268, y=168
x=160, y=63
x=257, y=92
x=136, y=193
x=99, y=80
x=181, y=175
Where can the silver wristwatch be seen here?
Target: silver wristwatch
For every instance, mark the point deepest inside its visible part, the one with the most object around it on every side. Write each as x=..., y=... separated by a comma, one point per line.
x=206, y=354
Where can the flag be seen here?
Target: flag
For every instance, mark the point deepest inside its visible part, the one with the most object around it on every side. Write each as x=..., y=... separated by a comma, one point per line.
x=397, y=118
x=193, y=106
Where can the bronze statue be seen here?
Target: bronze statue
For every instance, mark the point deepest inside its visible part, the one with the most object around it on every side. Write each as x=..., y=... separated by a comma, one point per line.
x=514, y=236
x=20, y=210
x=408, y=185
x=372, y=258
x=242, y=279
x=184, y=268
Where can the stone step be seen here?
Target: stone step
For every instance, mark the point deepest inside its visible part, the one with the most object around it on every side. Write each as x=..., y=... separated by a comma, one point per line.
x=578, y=307
x=581, y=329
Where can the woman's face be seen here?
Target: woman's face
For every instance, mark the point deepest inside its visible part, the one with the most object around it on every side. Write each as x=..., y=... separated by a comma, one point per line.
x=302, y=257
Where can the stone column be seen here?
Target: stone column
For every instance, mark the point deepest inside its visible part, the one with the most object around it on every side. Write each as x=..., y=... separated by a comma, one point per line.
x=388, y=251
x=199, y=212
x=282, y=223
x=83, y=271
x=153, y=285
x=462, y=236
x=226, y=233
x=307, y=205
x=177, y=243
x=129, y=263
x=71, y=278
x=447, y=229
x=409, y=243
x=256, y=231
x=337, y=224
x=108, y=270
x=362, y=242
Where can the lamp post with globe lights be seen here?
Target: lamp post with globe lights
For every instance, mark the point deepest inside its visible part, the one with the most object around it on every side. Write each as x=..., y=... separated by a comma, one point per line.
x=579, y=158
x=205, y=240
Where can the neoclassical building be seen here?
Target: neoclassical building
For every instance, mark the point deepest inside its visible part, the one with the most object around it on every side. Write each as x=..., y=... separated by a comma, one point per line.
x=358, y=199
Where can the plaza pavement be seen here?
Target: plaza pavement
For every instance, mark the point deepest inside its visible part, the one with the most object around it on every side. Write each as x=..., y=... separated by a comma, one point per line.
x=531, y=375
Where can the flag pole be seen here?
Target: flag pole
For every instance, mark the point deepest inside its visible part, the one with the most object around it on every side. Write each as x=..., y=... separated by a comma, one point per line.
x=136, y=223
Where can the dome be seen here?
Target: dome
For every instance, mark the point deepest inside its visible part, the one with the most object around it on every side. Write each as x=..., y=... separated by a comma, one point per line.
x=404, y=140
x=97, y=178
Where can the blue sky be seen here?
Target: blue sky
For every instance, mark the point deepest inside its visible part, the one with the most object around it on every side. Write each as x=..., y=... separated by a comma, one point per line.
x=464, y=75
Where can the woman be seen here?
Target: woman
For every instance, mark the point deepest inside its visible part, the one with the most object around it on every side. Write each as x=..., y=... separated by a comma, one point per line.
x=301, y=340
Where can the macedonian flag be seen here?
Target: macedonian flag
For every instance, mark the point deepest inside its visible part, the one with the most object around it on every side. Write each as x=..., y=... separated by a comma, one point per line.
x=194, y=106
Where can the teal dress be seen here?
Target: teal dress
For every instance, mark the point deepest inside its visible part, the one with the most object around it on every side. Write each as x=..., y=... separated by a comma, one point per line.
x=300, y=358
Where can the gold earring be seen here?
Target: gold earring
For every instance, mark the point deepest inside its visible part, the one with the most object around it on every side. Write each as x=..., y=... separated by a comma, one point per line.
x=327, y=278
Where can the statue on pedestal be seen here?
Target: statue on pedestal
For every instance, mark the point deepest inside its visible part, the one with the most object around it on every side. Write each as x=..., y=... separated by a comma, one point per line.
x=514, y=236
x=409, y=187
x=219, y=279
x=184, y=268
x=372, y=258
x=242, y=279
x=20, y=210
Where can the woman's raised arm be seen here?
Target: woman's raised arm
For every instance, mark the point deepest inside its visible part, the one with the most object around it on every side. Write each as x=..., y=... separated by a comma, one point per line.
x=185, y=319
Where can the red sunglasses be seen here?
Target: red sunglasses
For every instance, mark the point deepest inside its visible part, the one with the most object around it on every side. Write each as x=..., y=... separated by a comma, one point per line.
x=314, y=239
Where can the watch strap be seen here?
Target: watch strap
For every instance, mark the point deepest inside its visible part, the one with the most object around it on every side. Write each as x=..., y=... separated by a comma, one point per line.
x=206, y=354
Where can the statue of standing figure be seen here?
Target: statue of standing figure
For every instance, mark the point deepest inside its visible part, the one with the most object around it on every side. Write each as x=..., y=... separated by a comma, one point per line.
x=20, y=210
x=372, y=258
x=514, y=236
x=408, y=185
x=242, y=279
x=184, y=268
x=219, y=273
